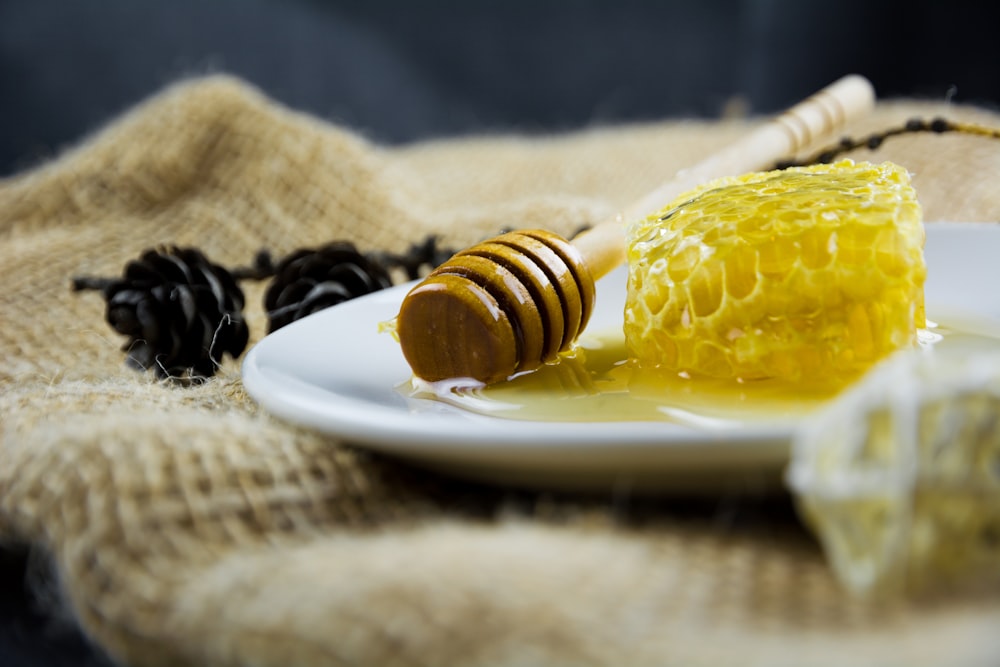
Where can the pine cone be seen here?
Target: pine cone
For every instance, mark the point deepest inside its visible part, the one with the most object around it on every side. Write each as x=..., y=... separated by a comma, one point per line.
x=180, y=312
x=310, y=280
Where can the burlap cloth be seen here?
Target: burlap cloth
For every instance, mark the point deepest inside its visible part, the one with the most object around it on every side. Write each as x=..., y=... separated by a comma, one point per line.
x=187, y=527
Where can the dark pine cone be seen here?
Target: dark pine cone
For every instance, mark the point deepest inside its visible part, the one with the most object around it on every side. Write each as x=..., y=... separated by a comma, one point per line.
x=310, y=280
x=180, y=312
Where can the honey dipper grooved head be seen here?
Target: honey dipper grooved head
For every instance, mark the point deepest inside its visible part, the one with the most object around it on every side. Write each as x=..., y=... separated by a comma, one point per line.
x=502, y=307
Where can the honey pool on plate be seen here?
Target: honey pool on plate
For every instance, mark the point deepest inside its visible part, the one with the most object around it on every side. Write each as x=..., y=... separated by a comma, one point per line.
x=598, y=383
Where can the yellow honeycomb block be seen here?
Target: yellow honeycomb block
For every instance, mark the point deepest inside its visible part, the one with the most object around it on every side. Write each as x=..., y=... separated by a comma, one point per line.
x=805, y=273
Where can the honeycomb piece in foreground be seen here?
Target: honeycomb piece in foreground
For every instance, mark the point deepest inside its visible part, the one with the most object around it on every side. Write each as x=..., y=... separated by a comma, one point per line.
x=805, y=273
x=899, y=477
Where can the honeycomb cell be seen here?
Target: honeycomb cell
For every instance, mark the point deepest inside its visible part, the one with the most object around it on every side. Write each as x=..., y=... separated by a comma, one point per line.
x=682, y=263
x=855, y=243
x=741, y=271
x=705, y=288
x=777, y=257
x=888, y=246
x=815, y=245
x=804, y=273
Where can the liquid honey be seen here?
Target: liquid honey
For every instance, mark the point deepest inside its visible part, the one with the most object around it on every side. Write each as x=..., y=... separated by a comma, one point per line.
x=597, y=382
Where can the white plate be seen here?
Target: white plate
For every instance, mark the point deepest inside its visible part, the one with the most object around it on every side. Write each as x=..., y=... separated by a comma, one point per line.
x=335, y=373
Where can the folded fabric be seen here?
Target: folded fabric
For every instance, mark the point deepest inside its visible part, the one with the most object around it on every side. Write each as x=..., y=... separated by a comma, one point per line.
x=187, y=527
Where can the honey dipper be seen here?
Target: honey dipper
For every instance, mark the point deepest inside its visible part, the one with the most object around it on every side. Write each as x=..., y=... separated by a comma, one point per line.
x=514, y=302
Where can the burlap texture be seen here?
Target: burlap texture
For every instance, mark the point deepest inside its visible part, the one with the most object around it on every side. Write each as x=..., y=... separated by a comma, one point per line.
x=188, y=527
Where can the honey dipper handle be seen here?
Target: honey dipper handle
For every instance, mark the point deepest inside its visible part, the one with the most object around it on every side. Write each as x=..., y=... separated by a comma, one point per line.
x=825, y=112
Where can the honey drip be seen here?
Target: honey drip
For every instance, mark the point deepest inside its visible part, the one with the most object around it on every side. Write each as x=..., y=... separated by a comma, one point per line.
x=597, y=382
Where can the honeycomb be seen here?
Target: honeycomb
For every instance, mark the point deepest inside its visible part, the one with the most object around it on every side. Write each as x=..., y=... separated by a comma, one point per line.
x=813, y=272
x=899, y=477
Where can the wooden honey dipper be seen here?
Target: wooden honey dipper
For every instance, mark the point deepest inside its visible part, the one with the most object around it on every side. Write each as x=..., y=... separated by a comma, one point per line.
x=514, y=302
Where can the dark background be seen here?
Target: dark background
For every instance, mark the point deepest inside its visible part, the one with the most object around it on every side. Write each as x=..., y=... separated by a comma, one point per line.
x=402, y=70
